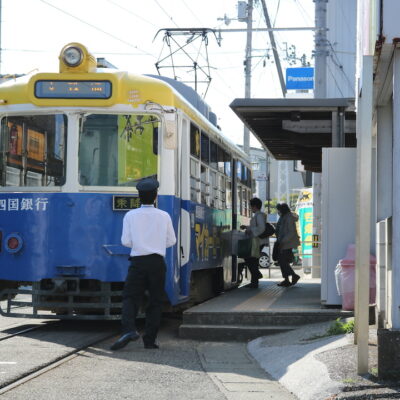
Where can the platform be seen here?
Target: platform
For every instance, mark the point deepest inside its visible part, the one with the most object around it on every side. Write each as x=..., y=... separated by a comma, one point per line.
x=245, y=313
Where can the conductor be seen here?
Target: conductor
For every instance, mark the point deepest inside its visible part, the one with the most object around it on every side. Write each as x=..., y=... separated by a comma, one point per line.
x=148, y=231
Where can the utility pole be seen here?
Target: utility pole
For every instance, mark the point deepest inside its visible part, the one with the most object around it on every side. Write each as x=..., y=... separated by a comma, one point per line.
x=321, y=51
x=1, y=7
x=247, y=71
x=320, y=54
x=274, y=49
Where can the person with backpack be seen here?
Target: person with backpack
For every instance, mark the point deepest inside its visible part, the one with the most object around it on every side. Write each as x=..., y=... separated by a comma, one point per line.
x=287, y=239
x=259, y=231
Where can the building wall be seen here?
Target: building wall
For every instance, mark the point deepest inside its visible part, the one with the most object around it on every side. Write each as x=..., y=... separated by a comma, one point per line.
x=260, y=175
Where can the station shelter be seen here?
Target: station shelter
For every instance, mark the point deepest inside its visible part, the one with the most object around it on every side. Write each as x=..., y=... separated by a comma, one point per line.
x=321, y=134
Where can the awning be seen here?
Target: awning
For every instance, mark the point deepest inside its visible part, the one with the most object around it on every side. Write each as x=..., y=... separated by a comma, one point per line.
x=298, y=129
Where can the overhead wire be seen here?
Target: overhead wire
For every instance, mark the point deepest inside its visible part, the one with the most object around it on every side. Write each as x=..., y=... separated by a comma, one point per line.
x=304, y=12
x=132, y=13
x=334, y=78
x=199, y=54
x=191, y=12
x=96, y=28
x=339, y=65
x=165, y=12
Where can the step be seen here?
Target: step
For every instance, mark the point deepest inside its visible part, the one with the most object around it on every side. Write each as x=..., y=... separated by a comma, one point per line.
x=229, y=332
x=270, y=318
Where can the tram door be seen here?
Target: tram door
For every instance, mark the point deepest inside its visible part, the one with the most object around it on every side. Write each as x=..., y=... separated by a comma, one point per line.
x=184, y=235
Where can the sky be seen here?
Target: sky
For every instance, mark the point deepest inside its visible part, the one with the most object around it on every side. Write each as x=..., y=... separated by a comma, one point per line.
x=125, y=33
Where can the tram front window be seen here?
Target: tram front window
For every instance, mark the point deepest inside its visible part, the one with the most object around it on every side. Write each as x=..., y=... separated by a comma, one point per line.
x=32, y=150
x=118, y=150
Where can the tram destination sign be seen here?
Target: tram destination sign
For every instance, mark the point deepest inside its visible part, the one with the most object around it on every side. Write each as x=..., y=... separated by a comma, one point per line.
x=68, y=89
x=125, y=203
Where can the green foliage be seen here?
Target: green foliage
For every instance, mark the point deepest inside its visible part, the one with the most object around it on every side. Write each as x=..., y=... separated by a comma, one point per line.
x=338, y=327
x=374, y=371
x=273, y=202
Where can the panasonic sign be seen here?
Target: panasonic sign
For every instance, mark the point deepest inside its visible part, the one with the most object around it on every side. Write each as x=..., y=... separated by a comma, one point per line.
x=299, y=78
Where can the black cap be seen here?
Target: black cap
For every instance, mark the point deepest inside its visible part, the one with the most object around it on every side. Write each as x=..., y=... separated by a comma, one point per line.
x=147, y=185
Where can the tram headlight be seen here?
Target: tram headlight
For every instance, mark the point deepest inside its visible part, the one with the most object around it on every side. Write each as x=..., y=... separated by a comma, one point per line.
x=13, y=243
x=73, y=56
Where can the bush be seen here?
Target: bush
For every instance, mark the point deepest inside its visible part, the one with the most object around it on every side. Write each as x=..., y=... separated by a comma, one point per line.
x=338, y=327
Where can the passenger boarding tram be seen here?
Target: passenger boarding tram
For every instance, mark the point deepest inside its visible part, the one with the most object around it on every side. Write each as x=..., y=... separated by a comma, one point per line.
x=73, y=145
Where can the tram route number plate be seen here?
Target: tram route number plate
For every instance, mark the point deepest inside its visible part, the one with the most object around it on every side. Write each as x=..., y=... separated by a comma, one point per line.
x=125, y=203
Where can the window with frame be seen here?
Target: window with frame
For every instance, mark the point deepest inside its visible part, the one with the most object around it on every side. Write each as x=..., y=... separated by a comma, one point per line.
x=213, y=155
x=228, y=193
x=245, y=201
x=194, y=179
x=248, y=181
x=228, y=164
x=33, y=150
x=194, y=141
x=239, y=199
x=118, y=149
x=214, y=189
x=221, y=157
x=205, y=148
x=205, y=185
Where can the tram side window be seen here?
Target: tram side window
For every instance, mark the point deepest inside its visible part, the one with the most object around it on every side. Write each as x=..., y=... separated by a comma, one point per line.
x=195, y=147
x=205, y=185
x=214, y=189
x=118, y=150
x=248, y=181
x=221, y=157
x=239, y=204
x=213, y=155
x=228, y=193
x=245, y=202
x=205, y=148
x=32, y=150
x=194, y=141
x=194, y=180
x=228, y=164
x=249, y=197
x=205, y=160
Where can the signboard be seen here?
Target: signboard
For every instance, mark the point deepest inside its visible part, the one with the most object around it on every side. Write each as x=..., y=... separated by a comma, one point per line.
x=305, y=211
x=125, y=203
x=299, y=78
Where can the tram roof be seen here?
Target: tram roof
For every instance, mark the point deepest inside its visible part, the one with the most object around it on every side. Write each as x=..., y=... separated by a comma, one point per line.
x=296, y=129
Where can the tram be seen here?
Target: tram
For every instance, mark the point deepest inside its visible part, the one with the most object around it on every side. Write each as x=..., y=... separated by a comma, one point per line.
x=73, y=145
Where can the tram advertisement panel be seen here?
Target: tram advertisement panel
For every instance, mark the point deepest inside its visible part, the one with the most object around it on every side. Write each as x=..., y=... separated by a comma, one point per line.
x=305, y=211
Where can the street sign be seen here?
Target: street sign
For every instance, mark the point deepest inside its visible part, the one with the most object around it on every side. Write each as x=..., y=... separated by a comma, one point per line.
x=299, y=78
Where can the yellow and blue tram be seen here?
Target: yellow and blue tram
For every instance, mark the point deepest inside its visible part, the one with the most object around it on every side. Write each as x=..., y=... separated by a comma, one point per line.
x=73, y=145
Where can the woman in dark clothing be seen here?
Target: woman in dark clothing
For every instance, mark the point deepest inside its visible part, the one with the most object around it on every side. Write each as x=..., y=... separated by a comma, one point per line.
x=287, y=239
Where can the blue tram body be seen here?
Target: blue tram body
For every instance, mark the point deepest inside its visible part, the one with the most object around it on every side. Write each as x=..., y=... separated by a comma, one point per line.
x=70, y=158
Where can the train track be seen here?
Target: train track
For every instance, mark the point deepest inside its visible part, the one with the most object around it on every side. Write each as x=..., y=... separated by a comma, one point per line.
x=31, y=374
x=22, y=331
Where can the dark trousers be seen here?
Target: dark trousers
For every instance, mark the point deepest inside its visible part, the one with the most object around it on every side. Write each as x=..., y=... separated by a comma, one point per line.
x=284, y=260
x=145, y=273
x=252, y=265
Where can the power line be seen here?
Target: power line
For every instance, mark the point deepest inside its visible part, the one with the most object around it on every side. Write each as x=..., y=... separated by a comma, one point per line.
x=339, y=65
x=276, y=12
x=336, y=83
x=304, y=12
x=52, y=52
x=191, y=12
x=95, y=27
x=165, y=12
x=132, y=13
